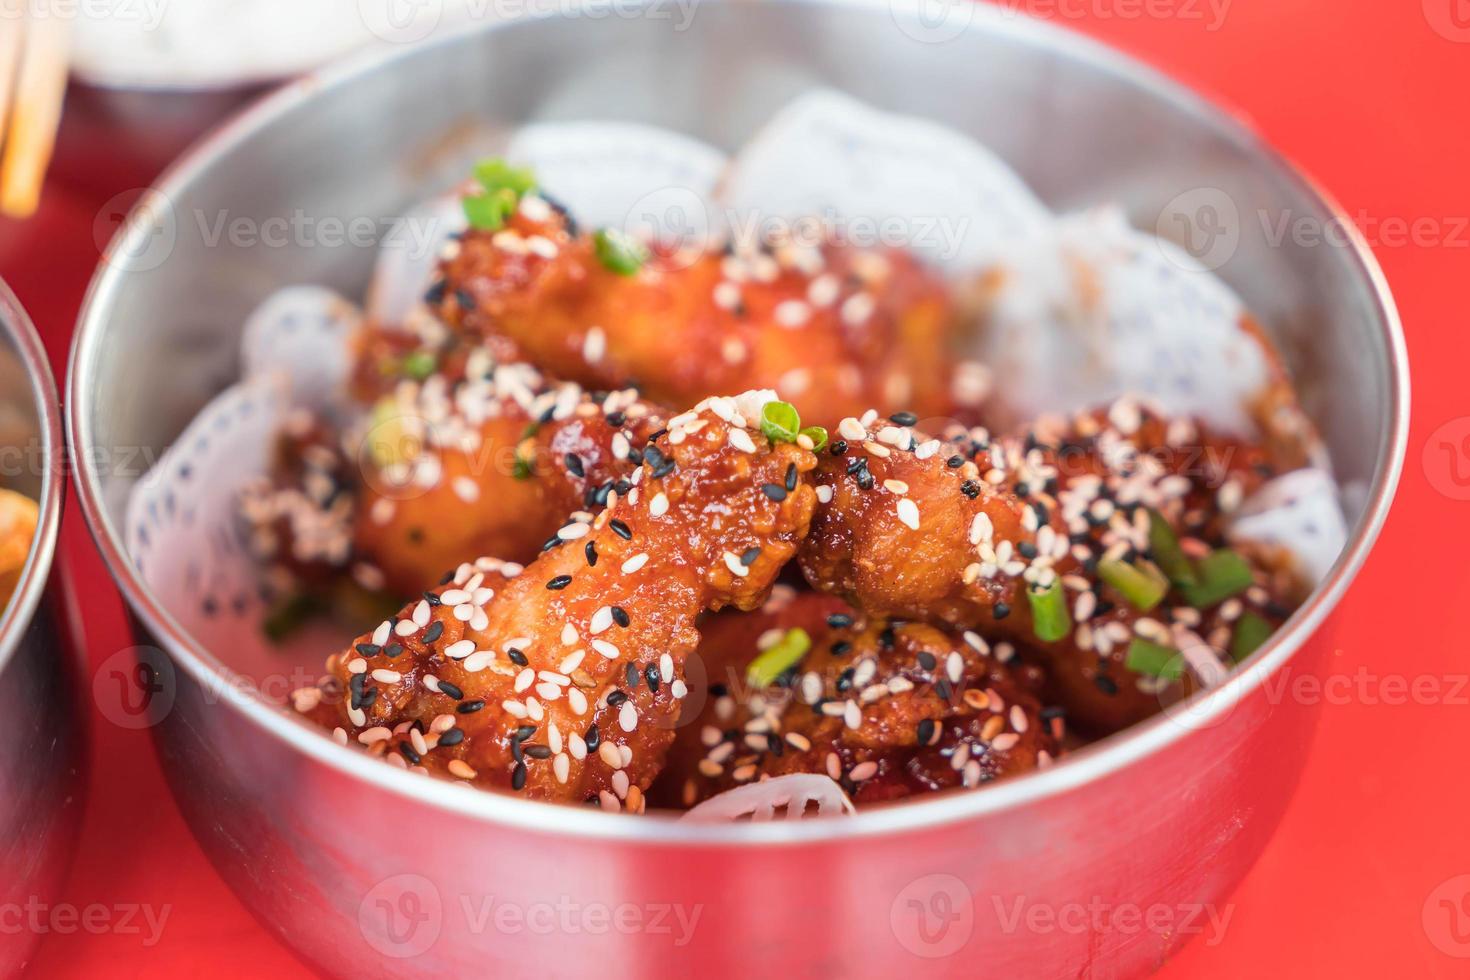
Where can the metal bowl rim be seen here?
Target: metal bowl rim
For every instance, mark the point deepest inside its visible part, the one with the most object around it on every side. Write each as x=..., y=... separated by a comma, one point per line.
x=1094, y=762
x=37, y=571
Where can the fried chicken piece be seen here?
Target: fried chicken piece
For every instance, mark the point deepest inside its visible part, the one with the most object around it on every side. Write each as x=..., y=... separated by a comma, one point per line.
x=887, y=709
x=971, y=530
x=478, y=458
x=832, y=329
x=563, y=680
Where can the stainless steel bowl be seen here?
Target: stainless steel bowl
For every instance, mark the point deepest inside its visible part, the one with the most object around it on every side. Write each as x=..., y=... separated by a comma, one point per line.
x=42, y=739
x=1101, y=866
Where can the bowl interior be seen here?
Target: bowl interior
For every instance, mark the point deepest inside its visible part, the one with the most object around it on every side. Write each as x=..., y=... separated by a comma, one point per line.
x=357, y=146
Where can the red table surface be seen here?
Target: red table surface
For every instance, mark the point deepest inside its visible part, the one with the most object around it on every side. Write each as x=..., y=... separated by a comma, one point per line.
x=1369, y=98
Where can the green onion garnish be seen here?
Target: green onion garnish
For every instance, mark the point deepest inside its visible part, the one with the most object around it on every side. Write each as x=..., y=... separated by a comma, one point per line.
x=522, y=469
x=1164, y=544
x=1155, y=660
x=1250, y=632
x=503, y=187
x=497, y=175
x=817, y=435
x=1140, y=582
x=419, y=365
x=1050, y=619
x=780, y=422
x=1222, y=574
x=778, y=658
x=618, y=252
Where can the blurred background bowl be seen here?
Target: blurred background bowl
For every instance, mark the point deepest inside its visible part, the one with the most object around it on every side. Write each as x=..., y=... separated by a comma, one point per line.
x=368, y=871
x=42, y=737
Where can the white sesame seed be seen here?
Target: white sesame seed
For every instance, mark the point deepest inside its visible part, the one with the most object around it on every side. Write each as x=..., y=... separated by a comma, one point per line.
x=568, y=635
x=792, y=314
x=602, y=620
x=896, y=486
x=573, y=531
x=576, y=746
x=852, y=716
x=659, y=505
x=732, y=562
x=606, y=649
x=465, y=489
x=460, y=650
x=741, y=440
x=862, y=771
x=609, y=754
x=422, y=612
x=636, y=562
x=594, y=345
x=851, y=430
x=477, y=662
x=384, y=676
x=908, y=513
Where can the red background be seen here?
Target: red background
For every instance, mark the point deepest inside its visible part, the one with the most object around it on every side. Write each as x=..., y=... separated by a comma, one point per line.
x=1369, y=98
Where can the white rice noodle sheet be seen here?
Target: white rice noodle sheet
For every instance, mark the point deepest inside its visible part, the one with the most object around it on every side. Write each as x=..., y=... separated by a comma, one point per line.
x=876, y=178
x=791, y=795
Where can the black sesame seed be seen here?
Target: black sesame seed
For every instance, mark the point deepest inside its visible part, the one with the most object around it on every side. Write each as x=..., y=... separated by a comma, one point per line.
x=591, y=552
x=620, y=616
x=651, y=674
x=559, y=583
x=774, y=744
x=432, y=599
x=369, y=649
x=926, y=660
x=1001, y=610
x=469, y=707
x=517, y=657
x=943, y=689
x=633, y=678
x=466, y=301
x=516, y=752
x=451, y=738
x=955, y=462
x=1027, y=549
x=838, y=448
x=775, y=491
x=453, y=690
x=539, y=751
x=1105, y=684
x=791, y=477
x=518, y=776
x=592, y=738
x=903, y=418
x=435, y=630
x=749, y=556
x=574, y=464
x=524, y=732
x=409, y=753
x=926, y=731
x=840, y=648
x=551, y=542
x=970, y=489
x=392, y=650
x=435, y=294
x=719, y=690
x=839, y=621
x=620, y=529
x=616, y=698
x=616, y=419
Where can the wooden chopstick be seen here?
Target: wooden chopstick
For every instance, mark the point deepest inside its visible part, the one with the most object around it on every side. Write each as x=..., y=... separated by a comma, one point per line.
x=40, y=87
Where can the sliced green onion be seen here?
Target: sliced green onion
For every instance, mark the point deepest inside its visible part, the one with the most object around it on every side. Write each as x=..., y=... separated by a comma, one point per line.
x=1140, y=583
x=1050, y=619
x=817, y=435
x=419, y=365
x=497, y=175
x=618, y=252
x=1154, y=659
x=780, y=422
x=488, y=212
x=777, y=659
x=1164, y=544
x=1250, y=632
x=1222, y=574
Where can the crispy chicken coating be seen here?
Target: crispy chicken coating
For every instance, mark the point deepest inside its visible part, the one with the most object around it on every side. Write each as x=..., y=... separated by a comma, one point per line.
x=563, y=680
x=832, y=329
x=886, y=709
x=970, y=531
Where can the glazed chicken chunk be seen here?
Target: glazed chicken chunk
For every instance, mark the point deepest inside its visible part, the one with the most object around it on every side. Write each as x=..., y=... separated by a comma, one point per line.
x=563, y=680
x=833, y=329
x=1096, y=543
x=886, y=709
